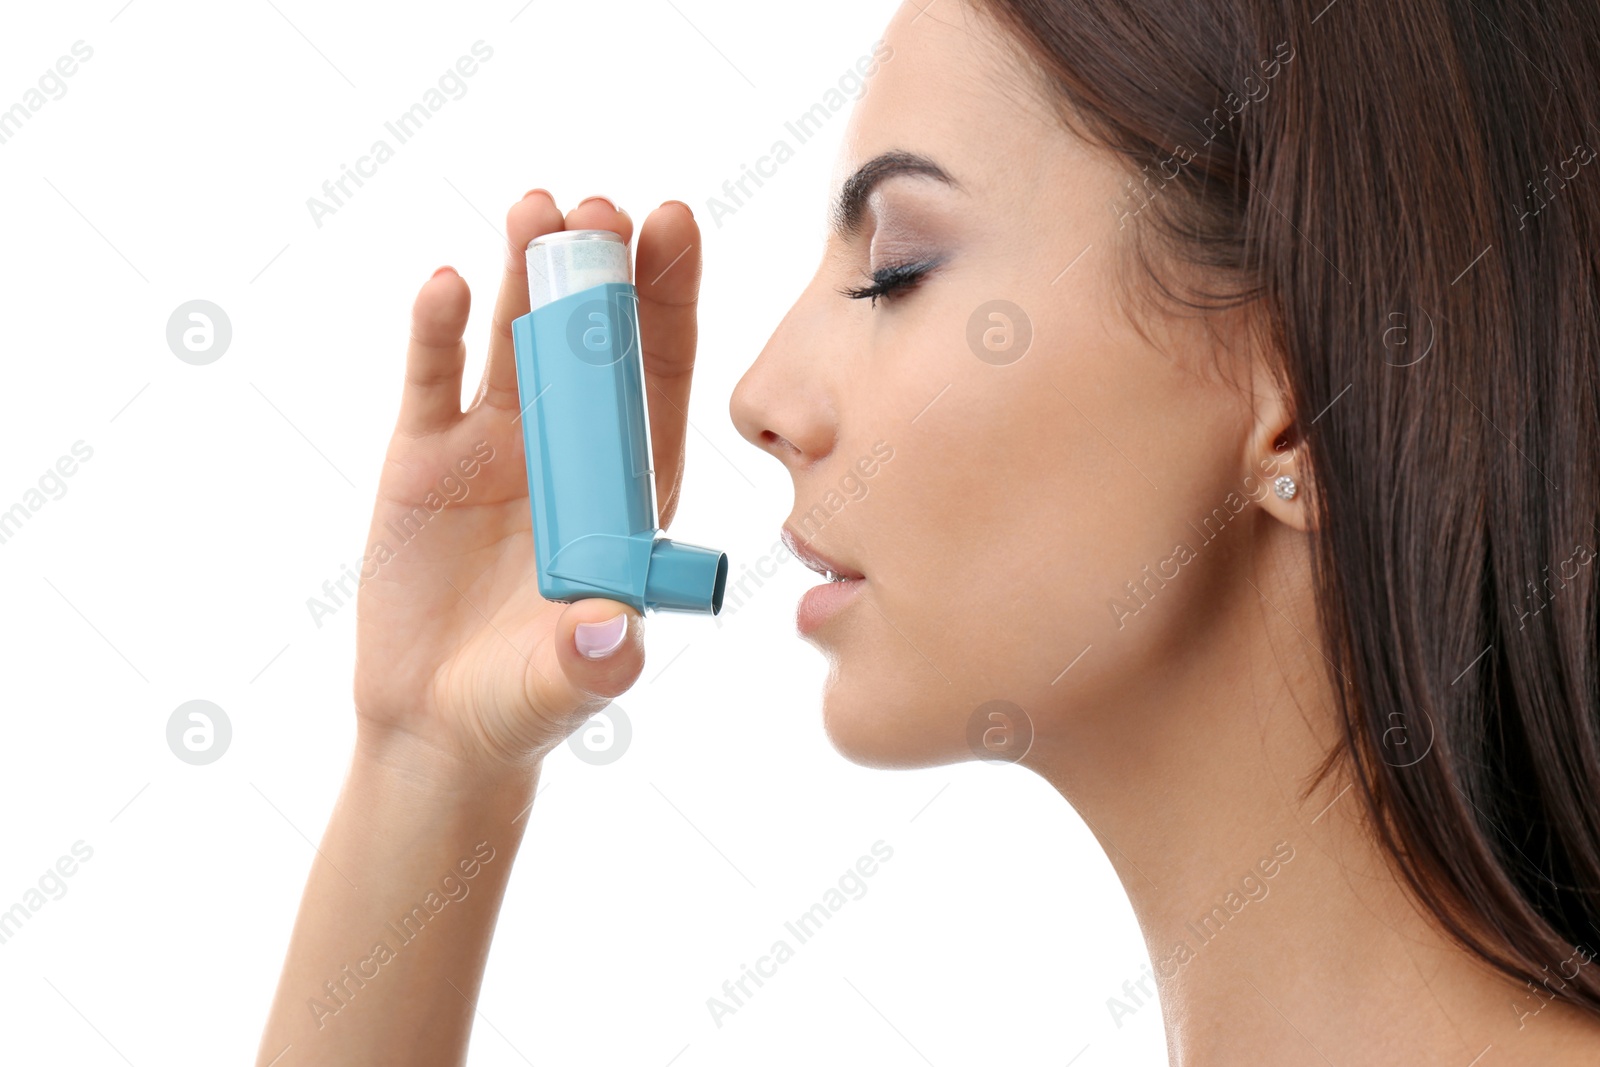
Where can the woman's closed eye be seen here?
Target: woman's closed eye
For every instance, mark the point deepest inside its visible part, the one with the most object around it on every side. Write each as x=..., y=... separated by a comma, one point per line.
x=891, y=280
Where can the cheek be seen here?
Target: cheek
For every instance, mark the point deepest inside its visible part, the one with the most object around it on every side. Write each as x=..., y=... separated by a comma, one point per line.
x=1004, y=537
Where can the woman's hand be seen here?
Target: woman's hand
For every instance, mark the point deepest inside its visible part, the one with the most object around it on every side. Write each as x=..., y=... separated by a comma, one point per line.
x=454, y=646
x=465, y=677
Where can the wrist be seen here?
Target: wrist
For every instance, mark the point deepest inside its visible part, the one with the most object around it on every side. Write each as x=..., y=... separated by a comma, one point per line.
x=435, y=774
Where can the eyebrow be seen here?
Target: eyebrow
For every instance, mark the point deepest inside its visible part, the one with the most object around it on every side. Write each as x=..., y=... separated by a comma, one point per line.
x=851, y=204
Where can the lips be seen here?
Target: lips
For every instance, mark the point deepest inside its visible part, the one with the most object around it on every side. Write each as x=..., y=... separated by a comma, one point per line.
x=832, y=569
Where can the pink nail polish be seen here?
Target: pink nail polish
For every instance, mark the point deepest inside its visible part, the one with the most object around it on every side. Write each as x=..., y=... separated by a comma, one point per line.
x=597, y=640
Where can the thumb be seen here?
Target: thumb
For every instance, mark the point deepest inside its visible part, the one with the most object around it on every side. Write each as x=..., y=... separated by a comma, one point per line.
x=599, y=652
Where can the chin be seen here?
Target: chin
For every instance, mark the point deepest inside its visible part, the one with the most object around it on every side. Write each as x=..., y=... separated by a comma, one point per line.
x=889, y=727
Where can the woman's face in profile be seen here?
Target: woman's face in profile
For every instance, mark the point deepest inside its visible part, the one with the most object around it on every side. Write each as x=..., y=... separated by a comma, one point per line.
x=1023, y=468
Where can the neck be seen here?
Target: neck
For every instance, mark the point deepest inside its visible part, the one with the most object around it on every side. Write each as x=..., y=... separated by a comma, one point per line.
x=1277, y=928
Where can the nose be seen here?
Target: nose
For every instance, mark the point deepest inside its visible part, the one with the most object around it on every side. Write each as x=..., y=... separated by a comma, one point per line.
x=783, y=404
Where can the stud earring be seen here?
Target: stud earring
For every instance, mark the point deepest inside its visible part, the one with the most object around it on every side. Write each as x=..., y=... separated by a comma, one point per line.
x=1285, y=488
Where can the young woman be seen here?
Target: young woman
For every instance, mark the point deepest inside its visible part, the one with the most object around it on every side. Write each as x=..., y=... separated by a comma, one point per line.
x=1247, y=356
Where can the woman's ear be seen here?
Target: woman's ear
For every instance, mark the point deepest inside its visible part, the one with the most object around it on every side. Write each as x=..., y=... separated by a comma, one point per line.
x=1280, y=475
x=1277, y=471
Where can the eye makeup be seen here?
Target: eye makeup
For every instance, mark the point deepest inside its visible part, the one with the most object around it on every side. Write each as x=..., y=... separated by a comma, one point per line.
x=892, y=279
x=901, y=252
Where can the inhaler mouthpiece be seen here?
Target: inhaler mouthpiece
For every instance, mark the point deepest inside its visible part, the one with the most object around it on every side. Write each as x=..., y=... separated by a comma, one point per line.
x=591, y=476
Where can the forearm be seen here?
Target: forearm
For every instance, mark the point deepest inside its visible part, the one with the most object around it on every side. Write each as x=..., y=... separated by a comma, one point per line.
x=395, y=923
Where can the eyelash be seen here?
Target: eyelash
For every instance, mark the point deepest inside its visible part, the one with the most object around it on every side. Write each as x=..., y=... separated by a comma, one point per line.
x=891, y=281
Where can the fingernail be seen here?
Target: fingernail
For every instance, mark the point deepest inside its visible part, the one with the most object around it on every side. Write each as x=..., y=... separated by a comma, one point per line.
x=685, y=207
x=604, y=200
x=599, y=639
x=442, y=270
x=530, y=192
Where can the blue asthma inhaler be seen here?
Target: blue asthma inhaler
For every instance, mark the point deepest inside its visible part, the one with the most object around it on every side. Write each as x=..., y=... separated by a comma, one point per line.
x=586, y=432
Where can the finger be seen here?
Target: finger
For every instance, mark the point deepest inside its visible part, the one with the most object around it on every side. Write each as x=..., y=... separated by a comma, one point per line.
x=431, y=399
x=536, y=213
x=597, y=658
x=669, y=293
x=598, y=213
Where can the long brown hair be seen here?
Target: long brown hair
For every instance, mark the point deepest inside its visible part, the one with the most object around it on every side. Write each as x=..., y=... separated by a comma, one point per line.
x=1409, y=192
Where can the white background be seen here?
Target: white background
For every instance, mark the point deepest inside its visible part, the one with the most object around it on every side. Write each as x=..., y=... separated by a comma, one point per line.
x=178, y=562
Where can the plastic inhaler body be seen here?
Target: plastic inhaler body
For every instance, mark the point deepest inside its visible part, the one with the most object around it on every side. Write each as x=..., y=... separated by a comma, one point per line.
x=586, y=431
